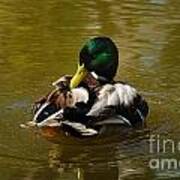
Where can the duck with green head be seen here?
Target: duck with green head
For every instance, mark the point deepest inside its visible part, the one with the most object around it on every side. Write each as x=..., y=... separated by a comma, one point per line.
x=99, y=56
x=107, y=103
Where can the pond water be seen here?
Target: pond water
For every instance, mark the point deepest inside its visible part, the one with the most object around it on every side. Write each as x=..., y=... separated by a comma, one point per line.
x=40, y=41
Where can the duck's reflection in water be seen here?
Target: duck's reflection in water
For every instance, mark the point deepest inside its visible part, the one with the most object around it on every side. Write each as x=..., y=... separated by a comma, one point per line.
x=106, y=161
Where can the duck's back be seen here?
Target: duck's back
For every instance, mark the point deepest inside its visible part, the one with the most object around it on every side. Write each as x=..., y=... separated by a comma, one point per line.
x=120, y=99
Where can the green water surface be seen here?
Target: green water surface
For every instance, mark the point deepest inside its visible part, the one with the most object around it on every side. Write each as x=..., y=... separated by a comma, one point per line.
x=40, y=41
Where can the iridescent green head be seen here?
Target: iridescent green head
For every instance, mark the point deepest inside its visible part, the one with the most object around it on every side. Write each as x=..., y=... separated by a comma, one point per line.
x=99, y=56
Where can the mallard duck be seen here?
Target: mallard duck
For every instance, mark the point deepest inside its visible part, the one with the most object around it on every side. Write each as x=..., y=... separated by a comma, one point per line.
x=84, y=104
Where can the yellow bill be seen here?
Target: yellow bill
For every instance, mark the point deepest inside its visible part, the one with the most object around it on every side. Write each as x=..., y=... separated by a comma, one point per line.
x=78, y=77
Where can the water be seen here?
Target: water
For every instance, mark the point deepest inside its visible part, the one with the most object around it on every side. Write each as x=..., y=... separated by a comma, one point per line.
x=40, y=41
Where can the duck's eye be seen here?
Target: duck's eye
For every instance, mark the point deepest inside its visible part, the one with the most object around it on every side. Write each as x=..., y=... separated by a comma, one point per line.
x=46, y=113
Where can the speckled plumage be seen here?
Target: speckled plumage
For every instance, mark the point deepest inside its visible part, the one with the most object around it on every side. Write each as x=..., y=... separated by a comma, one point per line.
x=98, y=101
